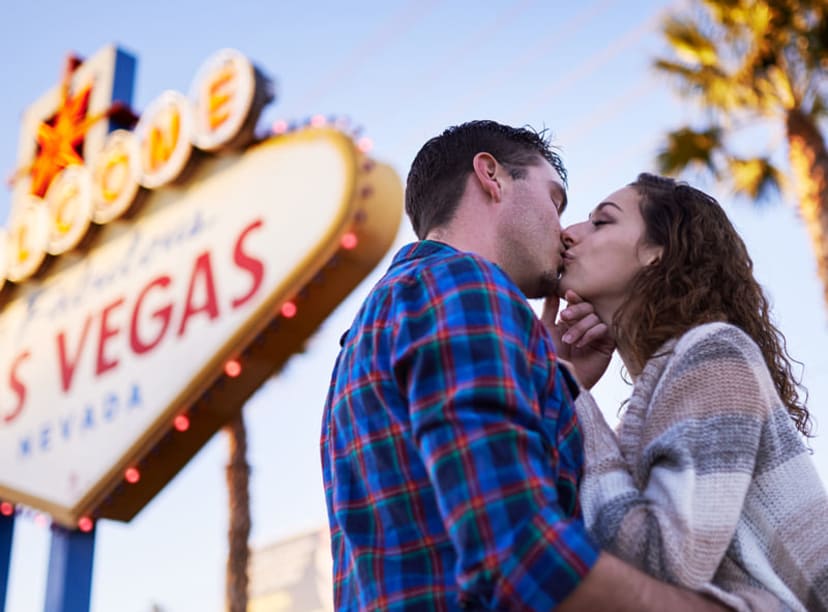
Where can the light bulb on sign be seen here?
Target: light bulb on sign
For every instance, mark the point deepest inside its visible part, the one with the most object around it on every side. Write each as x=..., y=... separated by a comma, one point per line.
x=365, y=144
x=6, y=509
x=232, y=368
x=132, y=475
x=85, y=524
x=288, y=310
x=349, y=241
x=181, y=422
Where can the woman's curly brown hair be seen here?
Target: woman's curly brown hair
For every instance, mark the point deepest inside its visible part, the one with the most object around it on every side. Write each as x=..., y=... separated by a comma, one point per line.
x=703, y=275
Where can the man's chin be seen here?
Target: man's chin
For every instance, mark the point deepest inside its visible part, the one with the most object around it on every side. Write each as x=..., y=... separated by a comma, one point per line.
x=561, y=285
x=548, y=285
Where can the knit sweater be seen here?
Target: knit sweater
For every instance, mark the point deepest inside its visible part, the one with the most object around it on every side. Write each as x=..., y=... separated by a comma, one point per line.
x=707, y=483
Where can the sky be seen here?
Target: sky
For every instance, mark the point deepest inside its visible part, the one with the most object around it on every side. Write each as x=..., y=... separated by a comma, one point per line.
x=403, y=70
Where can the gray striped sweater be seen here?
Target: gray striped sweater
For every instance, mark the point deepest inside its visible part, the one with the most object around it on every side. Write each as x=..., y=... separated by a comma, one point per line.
x=707, y=483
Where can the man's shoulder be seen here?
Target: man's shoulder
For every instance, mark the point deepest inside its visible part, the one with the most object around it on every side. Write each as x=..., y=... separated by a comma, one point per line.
x=434, y=263
x=441, y=257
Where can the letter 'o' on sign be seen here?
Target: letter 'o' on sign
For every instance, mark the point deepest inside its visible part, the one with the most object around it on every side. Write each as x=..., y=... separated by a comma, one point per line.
x=28, y=239
x=69, y=201
x=165, y=132
x=115, y=173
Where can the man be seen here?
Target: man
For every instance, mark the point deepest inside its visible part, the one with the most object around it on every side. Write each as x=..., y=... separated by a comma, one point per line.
x=450, y=449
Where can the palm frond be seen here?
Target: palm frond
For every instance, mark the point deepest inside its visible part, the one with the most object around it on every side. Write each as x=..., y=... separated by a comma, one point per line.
x=686, y=147
x=819, y=108
x=729, y=13
x=775, y=92
x=757, y=178
x=689, y=43
x=709, y=84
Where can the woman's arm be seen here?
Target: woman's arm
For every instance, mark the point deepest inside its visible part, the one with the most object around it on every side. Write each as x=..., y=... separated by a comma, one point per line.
x=697, y=447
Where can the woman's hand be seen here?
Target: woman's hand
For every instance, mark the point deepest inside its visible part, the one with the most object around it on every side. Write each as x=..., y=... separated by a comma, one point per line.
x=580, y=337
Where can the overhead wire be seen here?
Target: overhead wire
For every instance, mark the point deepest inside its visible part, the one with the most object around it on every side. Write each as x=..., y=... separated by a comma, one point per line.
x=394, y=27
x=623, y=154
x=607, y=111
x=427, y=77
x=564, y=31
x=409, y=14
x=593, y=62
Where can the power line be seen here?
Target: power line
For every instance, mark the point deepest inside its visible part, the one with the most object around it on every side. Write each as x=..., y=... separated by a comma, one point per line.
x=477, y=39
x=600, y=167
x=567, y=29
x=592, y=63
x=607, y=111
x=400, y=22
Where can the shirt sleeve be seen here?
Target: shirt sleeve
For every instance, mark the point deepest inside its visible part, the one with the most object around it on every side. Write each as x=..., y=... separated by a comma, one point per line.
x=673, y=509
x=466, y=362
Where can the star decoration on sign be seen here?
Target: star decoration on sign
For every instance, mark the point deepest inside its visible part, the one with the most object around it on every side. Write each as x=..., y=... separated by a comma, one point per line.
x=60, y=138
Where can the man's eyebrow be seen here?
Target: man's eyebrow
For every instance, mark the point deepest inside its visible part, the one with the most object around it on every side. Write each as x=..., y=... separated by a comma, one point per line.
x=561, y=192
x=603, y=205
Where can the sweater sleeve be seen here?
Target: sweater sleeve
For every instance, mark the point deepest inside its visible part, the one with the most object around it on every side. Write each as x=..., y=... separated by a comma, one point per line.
x=673, y=510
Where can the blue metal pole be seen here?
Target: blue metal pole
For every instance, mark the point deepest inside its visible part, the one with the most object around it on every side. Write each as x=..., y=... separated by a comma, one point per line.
x=69, y=583
x=6, y=533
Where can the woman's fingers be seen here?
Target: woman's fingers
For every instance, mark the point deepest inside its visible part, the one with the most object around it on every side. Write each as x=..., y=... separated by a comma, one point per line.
x=576, y=312
x=572, y=298
x=596, y=333
x=584, y=328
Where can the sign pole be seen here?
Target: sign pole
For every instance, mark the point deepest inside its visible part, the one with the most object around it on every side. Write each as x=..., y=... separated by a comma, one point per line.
x=69, y=583
x=6, y=533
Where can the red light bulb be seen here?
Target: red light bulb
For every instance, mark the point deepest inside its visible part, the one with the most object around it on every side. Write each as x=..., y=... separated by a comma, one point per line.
x=181, y=422
x=349, y=241
x=288, y=310
x=232, y=368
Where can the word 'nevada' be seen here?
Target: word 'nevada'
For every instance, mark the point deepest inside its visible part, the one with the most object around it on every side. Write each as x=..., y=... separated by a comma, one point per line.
x=75, y=425
x=226, y=99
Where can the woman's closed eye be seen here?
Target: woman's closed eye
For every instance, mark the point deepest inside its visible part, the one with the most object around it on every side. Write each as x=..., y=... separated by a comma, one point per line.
x=599, y=222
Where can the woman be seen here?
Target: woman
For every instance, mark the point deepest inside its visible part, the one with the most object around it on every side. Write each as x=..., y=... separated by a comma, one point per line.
x=707, y=482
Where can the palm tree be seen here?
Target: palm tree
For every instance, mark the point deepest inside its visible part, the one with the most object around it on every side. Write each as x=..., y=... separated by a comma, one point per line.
x=238, y=481
x=749, y=62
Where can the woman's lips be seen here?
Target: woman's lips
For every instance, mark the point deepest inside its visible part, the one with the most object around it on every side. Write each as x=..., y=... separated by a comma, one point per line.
x=566, y=258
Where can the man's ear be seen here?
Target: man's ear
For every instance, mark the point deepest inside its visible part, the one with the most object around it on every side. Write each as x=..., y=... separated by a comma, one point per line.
x=485, y=171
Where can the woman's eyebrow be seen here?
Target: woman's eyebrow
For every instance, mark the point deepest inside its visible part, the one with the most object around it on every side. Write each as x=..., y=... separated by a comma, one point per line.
x=603, y=205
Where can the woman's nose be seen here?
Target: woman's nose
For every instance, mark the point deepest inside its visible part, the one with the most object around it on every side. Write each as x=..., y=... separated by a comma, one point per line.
x=568, y=237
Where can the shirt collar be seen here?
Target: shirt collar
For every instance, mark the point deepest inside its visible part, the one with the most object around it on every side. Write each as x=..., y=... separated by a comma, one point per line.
x=421, y=249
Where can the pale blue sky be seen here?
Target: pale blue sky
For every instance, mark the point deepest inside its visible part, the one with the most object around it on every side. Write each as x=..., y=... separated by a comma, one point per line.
x=404, y=70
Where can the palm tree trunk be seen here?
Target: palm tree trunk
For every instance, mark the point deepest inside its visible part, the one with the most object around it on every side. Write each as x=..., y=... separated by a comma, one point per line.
x=238, y=480
x=809, y=165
